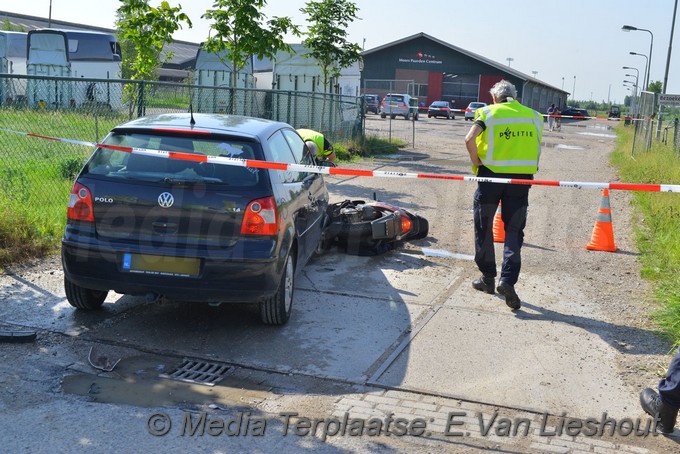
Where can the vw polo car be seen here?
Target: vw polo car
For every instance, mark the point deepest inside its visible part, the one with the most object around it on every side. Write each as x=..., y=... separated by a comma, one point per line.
x=143, y=222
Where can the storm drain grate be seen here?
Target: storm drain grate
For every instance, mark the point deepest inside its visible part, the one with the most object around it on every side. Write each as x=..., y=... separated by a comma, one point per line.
x=199, y=372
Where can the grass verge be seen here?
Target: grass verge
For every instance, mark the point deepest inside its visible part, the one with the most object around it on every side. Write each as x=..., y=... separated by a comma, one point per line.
x=657, y=223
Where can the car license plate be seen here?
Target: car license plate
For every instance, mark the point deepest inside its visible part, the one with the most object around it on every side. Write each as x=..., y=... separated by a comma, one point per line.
x=161, y=265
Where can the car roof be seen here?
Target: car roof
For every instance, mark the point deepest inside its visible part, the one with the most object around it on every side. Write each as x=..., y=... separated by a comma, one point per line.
x=217, y=123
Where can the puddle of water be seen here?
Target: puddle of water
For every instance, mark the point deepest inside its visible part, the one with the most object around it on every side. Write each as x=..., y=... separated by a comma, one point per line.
x=597, y=134
x=444, y=253
x=135, y=382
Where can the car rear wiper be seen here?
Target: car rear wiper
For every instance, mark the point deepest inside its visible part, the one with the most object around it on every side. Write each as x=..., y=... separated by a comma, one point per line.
x=209, y=180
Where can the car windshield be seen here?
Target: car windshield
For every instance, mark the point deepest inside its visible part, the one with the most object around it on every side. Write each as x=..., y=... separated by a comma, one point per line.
x=439, y=104
x=476, y=105
x=119, y=164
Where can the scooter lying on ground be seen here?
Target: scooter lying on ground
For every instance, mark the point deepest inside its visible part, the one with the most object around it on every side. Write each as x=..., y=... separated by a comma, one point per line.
x=370, y=228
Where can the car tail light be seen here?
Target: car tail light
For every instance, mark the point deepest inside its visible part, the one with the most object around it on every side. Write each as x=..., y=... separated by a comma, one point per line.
x=80, y=204
x=406, y=224
x=260, y=218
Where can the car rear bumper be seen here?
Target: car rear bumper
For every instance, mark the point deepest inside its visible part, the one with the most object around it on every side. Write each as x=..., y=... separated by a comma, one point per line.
x=218, y=279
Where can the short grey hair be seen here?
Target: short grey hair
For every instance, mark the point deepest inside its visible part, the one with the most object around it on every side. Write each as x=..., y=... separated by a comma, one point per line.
x=503, y=90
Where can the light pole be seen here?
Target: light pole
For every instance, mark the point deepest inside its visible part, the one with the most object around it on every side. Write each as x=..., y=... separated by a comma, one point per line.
x=563, y=84
x=573, y=91
x=510, y=59
x=644, y=79
x=627, y=28
x=670, y=45
x=535, y=73
x=49, y=18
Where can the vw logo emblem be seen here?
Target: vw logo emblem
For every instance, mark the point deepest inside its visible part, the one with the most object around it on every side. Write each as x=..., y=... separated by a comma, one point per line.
x=165, y=200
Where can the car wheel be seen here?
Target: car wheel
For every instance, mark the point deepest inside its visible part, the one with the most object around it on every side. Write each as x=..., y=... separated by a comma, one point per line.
x=429, y=116
x=276, y=310
x=393, y=117
x=83, y=298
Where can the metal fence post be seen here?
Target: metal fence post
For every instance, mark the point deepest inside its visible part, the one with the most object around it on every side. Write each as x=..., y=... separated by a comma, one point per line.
x=140, y=100
x=675, y=134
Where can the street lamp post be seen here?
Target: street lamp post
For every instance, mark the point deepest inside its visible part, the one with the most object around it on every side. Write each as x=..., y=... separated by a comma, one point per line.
x=510, y=59
x=627, y=28
x=535, y=73
x=563, y=84
x=670, y=46
x=646, y=77
x=573, y=90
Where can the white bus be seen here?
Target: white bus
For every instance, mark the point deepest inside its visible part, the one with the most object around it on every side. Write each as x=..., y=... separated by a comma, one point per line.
x=78, y=54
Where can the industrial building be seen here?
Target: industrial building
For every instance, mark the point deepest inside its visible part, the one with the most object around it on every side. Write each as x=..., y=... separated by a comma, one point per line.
x=431, y=69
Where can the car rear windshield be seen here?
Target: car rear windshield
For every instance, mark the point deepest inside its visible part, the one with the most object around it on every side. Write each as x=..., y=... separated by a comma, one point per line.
x=440, y=104
x=395, y=98
x=119, y=164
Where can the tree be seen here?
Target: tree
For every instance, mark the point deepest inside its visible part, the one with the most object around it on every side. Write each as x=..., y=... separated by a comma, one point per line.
x=243, y=31
x=148, y=29
x=326, y=36
x=145, y=30
x=655, y=87
x=9, y=27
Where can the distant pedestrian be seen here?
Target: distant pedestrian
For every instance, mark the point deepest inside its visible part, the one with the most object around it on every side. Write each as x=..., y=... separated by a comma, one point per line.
x=551, y=117
x=504, y=142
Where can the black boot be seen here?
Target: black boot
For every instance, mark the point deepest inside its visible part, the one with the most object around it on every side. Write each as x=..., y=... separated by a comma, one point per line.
x=655, y=406
x=484, y=284
x=511, y=298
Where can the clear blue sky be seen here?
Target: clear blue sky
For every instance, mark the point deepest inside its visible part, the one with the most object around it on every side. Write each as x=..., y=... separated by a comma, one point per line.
x=559, y=39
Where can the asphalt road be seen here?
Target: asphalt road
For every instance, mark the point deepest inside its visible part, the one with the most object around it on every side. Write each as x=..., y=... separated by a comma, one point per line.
x=400, y=334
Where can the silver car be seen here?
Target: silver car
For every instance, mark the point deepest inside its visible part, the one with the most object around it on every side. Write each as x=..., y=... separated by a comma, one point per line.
x=470, y=111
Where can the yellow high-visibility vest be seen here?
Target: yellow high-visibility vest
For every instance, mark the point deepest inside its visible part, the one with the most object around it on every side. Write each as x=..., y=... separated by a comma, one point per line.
x=317, y=138
x=511, y=142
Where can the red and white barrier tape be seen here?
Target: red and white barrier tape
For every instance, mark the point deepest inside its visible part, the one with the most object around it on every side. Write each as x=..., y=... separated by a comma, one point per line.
x=253, y=163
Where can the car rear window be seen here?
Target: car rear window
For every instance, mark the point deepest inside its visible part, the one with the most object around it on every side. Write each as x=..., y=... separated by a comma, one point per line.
x=119, y=164
x=394, y=98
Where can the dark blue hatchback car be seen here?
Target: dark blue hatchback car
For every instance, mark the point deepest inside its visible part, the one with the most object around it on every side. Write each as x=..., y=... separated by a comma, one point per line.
x=144, y=224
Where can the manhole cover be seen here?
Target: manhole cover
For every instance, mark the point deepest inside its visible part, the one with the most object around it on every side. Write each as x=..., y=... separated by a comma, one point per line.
x=200, y=372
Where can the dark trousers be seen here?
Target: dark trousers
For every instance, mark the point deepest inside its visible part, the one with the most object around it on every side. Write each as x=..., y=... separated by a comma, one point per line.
x=515, y=200
x=669, y=387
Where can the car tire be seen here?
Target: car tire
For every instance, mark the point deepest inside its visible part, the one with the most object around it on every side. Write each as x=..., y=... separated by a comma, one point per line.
x=276, y=310
x=382, y=115
x=84, y=298
x=393, y=117
x=429, y=116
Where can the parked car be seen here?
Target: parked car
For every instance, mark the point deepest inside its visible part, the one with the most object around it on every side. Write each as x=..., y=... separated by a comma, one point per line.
x=614, y=112
x=470, y=110
x=143, y=224
x=440, y=109
x=574, y=112
x=372, y=103
x=397, y=104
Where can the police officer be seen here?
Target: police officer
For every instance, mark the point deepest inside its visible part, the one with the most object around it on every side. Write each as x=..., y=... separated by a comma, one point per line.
x=504, y=142
x=324, y=148
x=664, y=404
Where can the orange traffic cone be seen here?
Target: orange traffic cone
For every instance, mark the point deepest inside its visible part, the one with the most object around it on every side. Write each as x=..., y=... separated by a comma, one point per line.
x=603, y=232
x=498, y=226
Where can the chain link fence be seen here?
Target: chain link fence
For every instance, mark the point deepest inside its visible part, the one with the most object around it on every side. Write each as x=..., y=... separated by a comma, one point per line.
x=655, y=122
x=36, y=174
